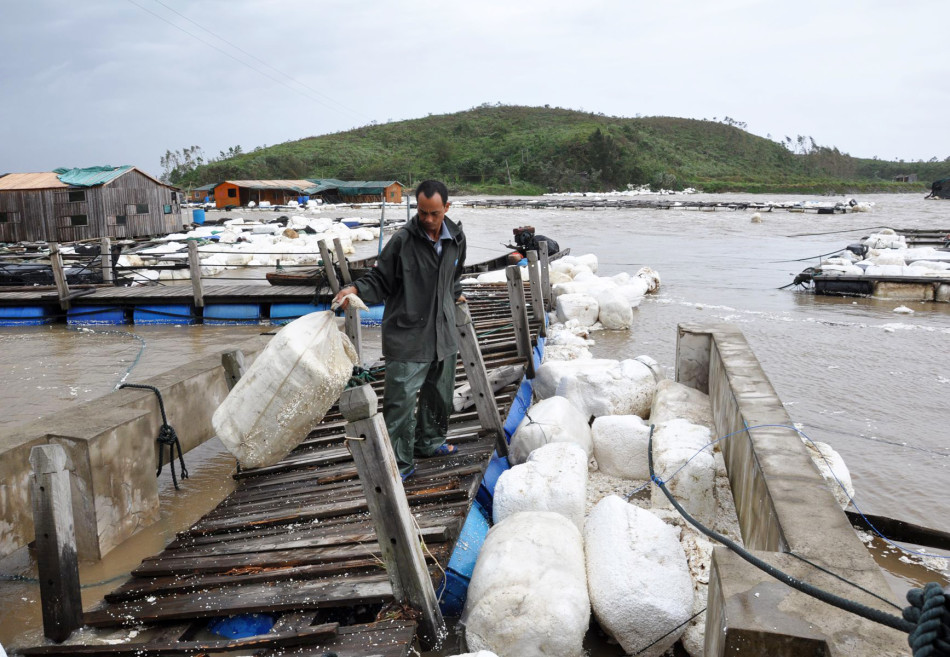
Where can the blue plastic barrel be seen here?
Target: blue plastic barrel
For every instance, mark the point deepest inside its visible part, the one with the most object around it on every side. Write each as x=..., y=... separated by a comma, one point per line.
x=198, y=216
x=217, y=314
x=164, y=314
x=284, y=313
x=96, y=315
x=458, y=573
x=24, y=316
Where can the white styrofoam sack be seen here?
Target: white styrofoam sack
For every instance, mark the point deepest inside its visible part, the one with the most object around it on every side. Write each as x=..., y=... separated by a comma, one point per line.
x=674, y=400
x=614, y=311
x=581, y=307
x=554, y=478
x=553, y=420
x=602, y=387
x=480, y=653
x=500, y=276
x=528, y=595
x=889, y=257
x=651, y=277
x=637, y=576
x=633, y=292
x=689, y=470
x=841, y=270
x=286, y=391
x=832, y=466
x=319, y=224
x=620, y=446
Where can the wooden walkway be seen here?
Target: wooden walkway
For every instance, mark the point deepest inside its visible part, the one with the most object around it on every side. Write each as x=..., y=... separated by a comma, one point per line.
x=123, y=296
x=295, y=541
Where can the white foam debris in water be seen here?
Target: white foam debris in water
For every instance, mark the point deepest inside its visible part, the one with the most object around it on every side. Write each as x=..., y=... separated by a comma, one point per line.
x=904, y=310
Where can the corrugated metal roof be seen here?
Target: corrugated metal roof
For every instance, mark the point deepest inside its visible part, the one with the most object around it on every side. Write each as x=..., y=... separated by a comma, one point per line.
x=44, y=180
x=364, y=187
x=91, y=176
x=295, y=185
x=206, y=188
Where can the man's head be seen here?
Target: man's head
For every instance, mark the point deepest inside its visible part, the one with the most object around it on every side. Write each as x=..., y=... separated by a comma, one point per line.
x=432, y=202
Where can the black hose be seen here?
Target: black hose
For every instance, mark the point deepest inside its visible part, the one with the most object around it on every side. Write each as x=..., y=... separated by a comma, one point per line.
x=857, y=608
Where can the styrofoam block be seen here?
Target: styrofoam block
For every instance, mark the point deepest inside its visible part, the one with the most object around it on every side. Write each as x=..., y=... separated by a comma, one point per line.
x=580, y=307
x=637, y=574
x=528, y=594
x=550, y=420
x=689, y=470
x=554, y=478
x=620, y=446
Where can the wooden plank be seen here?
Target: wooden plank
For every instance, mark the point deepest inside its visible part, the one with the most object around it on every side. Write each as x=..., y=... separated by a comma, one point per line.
x=305, y=636
x=519, y=316
x=252, y=598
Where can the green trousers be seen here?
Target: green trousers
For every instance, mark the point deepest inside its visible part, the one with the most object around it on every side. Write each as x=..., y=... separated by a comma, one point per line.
x=417, y=403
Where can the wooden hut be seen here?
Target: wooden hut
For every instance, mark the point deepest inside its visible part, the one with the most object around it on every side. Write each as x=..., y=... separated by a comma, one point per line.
x=67, y=205
x=199, y=194
x=238, y=193
x=358, y=191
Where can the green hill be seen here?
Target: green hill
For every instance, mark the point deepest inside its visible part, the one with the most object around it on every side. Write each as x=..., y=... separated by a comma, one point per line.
x=511, y=149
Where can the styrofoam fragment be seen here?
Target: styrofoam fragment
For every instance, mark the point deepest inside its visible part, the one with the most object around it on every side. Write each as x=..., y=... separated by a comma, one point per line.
x=601, y=387
x=832, y=466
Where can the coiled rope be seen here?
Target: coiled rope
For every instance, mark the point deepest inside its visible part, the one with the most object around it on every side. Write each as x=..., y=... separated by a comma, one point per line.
x=166, y=436
x=927, y=620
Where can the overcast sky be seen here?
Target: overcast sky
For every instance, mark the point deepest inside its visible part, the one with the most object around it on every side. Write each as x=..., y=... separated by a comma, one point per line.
x=120, y=81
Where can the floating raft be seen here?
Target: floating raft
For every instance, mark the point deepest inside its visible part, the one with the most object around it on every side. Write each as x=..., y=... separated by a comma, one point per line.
x=295, y=542
x=654, y=204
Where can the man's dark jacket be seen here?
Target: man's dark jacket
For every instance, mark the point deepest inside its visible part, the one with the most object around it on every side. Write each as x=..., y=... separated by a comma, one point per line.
x=419, y=289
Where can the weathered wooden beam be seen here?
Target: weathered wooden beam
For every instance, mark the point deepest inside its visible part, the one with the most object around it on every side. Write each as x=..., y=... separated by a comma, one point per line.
x=194, y=264
x=233, y=363
x=353, y=330
x=478, y=379
x=537, y=296
x=59, y=275
x=105, y=259
x=519, y=317
x=328, y=267
x=396, y=529
x=56, y=558
x=341, y=258
x=545, y=261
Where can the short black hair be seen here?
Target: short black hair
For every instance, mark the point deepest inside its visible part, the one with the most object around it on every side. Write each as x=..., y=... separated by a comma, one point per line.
x=430, y=188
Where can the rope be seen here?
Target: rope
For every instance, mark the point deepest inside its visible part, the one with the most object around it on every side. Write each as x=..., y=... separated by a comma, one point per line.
x=166, y=436
x=360, y=376
x=929, y=612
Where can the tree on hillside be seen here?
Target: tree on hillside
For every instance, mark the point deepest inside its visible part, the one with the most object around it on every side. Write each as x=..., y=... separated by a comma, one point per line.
x=176, y=164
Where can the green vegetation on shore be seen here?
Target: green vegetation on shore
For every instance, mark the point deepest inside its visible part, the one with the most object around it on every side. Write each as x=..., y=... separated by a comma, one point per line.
x=532, y=150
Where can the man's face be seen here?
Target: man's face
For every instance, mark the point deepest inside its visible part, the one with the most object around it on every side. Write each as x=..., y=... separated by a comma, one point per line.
x=431, y=211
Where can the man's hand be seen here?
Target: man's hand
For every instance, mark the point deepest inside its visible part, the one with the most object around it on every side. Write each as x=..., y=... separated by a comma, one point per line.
x=461, y=299
x=340, y=300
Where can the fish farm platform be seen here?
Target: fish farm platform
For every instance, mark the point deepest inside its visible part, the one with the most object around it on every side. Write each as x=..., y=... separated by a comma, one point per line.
x=294, y=544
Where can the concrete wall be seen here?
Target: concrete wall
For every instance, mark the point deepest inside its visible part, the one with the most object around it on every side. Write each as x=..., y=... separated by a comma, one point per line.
x=783, y=506
x=112, y=454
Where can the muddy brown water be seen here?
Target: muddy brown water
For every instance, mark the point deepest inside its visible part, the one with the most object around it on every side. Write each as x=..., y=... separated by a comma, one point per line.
x=870, y=382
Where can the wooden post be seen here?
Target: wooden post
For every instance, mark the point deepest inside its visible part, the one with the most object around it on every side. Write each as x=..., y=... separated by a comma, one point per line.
x=341, y=258
x=328, y=267
x=537, y=297
x=519, y=317
x=471, y=355
x=396, y=531
x=233, y=363
x=353, y=330
x=194, y=264
x=59, y=275
x=56, y=558
x=105, y=259
x=545, y=275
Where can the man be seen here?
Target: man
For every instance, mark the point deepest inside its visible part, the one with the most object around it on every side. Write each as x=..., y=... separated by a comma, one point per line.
x=418, y=275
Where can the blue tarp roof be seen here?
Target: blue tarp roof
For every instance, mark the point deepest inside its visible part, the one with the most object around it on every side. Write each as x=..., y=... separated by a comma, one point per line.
x=90, y=176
